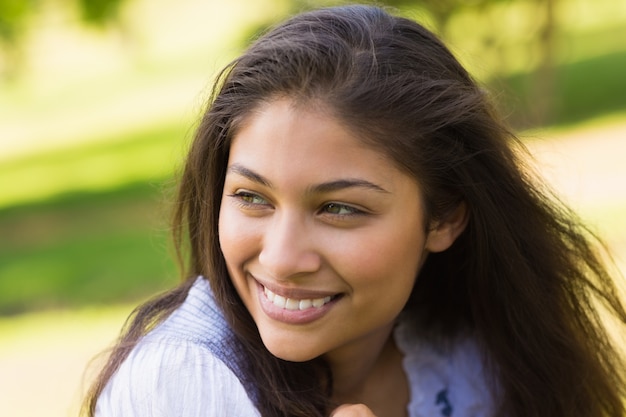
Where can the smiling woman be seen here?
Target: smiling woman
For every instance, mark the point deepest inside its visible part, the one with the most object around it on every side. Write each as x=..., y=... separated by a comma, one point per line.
x=365, y=240
x=309, y=213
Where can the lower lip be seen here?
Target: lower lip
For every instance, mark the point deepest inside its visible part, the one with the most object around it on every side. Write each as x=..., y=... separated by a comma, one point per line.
x=292, y=316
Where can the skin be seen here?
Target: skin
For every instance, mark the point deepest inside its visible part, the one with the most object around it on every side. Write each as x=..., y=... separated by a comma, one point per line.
x=309, y=212
x=352, y=410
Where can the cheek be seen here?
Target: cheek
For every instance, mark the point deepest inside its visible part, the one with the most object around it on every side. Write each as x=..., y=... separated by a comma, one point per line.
x=224, y=228
x=240, y=237
x=235, y=243
x=376, y=259
x=232, y=236
x=399, y=266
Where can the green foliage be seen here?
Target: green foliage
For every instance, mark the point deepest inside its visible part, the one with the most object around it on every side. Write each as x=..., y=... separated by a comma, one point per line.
x=13, y=17
x=585, y=89
x=16, y=18
x=441, y=10
x=99, y=12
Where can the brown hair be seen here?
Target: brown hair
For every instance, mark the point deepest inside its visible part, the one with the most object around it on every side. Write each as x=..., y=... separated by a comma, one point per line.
x=524, y=277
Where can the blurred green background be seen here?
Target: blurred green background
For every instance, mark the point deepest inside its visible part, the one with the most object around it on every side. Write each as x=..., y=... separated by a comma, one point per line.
x=98, y=101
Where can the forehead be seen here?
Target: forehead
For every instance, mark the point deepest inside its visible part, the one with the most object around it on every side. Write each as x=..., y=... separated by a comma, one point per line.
x=297, y=147
x=284, y=133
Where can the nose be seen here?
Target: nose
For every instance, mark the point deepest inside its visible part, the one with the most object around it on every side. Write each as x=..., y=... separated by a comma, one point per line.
x=289, y=248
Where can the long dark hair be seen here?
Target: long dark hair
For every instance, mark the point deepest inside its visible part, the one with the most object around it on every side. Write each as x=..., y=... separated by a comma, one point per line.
x=525, y=277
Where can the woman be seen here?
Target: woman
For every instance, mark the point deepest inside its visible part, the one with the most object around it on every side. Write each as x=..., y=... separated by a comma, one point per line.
x=361, y=230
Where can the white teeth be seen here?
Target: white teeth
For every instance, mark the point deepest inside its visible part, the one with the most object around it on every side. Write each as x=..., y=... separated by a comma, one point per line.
x=279, y=301
x=292, y=303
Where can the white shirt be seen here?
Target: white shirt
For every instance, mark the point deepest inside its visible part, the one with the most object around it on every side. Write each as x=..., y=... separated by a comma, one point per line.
x=173, y=372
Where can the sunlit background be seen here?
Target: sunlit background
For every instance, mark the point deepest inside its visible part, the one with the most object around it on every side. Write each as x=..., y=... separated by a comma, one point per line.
x=98, y=101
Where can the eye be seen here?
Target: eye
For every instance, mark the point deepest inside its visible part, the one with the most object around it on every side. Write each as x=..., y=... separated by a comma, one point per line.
x=247, y=199
x=339, y=209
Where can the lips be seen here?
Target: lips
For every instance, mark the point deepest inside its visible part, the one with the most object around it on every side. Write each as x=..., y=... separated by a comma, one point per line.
x=295, y=307
x=294, y=304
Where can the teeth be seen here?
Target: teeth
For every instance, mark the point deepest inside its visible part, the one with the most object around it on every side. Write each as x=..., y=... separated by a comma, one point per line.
x=318, y=302
x=292, y=303
x=279, y=301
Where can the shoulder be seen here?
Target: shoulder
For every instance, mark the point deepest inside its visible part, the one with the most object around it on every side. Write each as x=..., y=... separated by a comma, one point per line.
x=446, y=378
x=185, y=367
x=173, y=377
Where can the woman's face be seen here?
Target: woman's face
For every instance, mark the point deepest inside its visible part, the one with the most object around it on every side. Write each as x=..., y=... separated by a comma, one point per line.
x=323, y=237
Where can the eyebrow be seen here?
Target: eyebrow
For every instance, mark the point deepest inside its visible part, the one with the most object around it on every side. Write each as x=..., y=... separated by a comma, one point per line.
x=337, y=185
x=249, y=174
x=325, y=187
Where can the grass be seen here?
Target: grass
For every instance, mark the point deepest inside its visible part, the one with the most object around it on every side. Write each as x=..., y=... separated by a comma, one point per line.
x=138, y=156
x=88, y=224
x=85, y=249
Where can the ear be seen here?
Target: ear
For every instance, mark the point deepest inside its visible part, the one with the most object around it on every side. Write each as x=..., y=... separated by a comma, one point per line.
x=443, y=233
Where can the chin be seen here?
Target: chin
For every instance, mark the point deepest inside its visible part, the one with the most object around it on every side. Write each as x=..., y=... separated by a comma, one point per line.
x=289, y=352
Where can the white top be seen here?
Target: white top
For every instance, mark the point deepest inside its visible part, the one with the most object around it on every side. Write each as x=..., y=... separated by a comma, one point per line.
x=173, y=372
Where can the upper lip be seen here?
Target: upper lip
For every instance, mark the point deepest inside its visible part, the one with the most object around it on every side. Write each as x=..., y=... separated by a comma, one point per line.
x=294, y=293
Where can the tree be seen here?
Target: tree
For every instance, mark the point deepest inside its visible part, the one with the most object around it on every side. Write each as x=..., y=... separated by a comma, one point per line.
x=540, y=92
x=16, y=16
x=99, y=12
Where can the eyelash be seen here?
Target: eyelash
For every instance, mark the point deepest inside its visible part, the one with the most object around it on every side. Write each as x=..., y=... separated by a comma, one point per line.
x=243, y=196
x=352, y=211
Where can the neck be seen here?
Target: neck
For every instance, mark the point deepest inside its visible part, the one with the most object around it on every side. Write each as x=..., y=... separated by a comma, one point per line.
x=356, y=369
